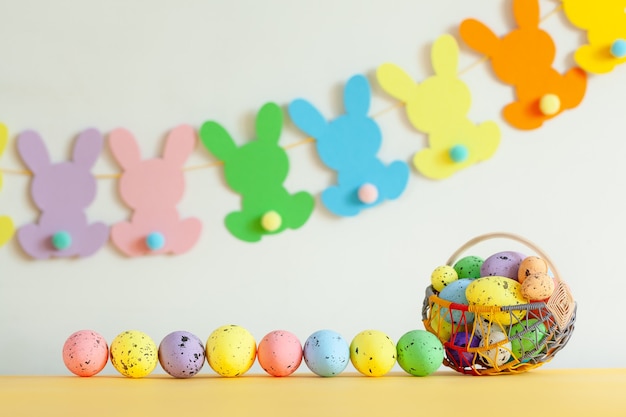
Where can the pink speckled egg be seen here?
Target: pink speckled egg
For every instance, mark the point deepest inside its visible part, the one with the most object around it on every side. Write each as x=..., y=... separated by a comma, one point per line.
x=280, y=353
x=85, y=353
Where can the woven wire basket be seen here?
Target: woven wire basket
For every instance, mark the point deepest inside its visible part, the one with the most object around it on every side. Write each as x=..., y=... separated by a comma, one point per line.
x=483, y=346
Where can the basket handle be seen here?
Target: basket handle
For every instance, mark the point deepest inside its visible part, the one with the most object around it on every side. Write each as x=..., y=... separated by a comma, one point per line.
x=504, y=235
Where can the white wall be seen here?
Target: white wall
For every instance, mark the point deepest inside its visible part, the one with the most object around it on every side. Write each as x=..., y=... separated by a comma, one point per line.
x=151, y=65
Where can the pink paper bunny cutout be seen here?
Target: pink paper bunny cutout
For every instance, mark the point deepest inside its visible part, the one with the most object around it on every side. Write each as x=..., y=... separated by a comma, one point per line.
x=153, y=188
x=62, y=191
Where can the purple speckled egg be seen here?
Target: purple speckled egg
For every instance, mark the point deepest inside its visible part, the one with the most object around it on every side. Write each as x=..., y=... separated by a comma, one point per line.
x=502, y=264
x=456, y=350
x=181, y=354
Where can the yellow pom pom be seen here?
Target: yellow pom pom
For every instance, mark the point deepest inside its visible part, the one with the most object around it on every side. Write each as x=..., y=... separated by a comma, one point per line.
x=550, y=104
x=271, y=221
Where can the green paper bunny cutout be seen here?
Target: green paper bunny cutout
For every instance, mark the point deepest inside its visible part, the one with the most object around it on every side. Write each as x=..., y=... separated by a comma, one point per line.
x=257, y=171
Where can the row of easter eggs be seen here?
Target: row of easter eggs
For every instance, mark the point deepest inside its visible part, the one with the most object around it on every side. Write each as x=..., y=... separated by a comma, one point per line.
x=231, y=351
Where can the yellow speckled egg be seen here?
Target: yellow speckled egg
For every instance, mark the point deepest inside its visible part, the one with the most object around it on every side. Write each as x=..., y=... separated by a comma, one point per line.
x=442, y=276
x=231, y=350
x=531, y=265
x=372, y=353
x=134, y=354
x=497, y=291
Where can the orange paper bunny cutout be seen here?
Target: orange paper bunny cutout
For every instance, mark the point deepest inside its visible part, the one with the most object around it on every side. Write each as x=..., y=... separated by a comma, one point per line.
x=523, y=58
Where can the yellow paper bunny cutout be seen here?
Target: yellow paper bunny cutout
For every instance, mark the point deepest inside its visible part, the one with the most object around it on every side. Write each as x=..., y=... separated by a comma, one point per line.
x=439, y=106
x=6, y=224
x=605, y=23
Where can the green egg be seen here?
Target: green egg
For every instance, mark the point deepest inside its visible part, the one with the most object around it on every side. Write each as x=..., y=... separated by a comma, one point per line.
x=420, y=353
x=468, y=267
x=525, y=338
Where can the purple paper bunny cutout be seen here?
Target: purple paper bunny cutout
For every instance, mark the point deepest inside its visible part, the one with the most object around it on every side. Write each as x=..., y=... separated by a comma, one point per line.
x=62, y=191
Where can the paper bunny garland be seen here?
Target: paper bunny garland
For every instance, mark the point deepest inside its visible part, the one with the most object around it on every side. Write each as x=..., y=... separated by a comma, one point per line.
x=6, y=224
x=153, y=188
x=257, y=171
x=523, y=58
x=62, y=191
x=349, y=145
x=439, y=106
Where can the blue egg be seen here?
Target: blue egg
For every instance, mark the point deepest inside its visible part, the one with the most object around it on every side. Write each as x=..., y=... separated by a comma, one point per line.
x=455, y=293
x=326, y=353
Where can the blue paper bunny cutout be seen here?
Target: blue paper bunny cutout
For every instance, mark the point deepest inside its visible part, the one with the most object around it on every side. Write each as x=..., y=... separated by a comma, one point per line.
x=349, y=144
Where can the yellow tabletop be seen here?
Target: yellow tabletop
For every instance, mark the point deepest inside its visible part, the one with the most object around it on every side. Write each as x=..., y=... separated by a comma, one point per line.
x=580, y=392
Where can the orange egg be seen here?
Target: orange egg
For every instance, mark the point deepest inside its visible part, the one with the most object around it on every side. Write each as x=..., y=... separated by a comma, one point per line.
x=531, y=265
x=538, y=286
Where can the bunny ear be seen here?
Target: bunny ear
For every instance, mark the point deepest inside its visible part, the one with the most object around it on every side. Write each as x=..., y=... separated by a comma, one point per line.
x=87, y=148
x=33, y=151
x=526, y=13
x=356, y=95
x=479, y=37
x=395, y=81
x=307, y=118
x=269, y=123
x=4, y=138
x=217, y=140
x=179, y=144
x=445, y=56
x=577, y=12
x=124, y=148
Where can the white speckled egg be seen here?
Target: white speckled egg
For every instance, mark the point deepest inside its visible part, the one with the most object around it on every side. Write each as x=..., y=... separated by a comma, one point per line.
x=499, y=355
